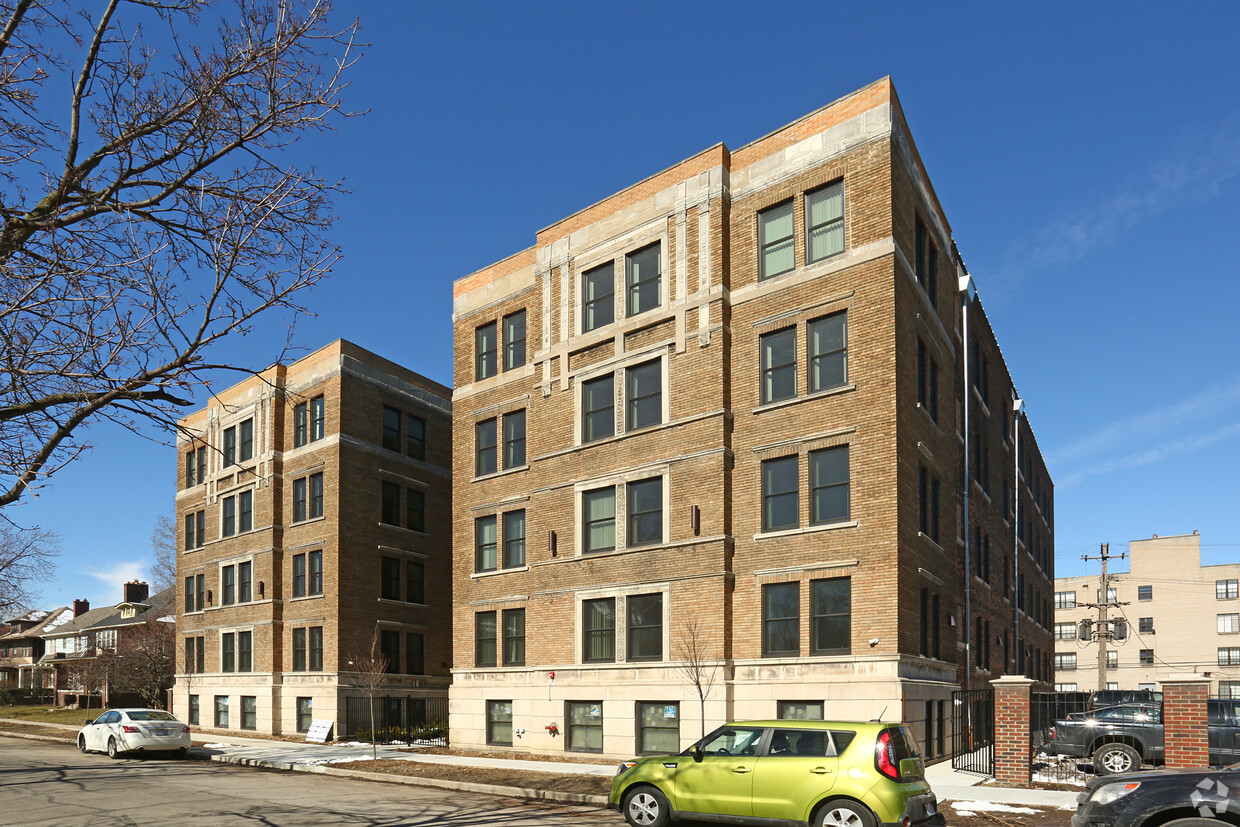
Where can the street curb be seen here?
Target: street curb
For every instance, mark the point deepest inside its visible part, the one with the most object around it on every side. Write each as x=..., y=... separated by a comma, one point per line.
x=392, y=778
x=32, y=737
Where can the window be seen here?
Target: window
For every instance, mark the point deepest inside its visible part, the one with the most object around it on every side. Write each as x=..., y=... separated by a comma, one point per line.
x=658, y=727
x=645, y=630
x=389, y=649
x=927, y=262
x=514, y=539
x=484, y=544
x=1227, y=589
x=824, y=222
x=1112, y=660
x=415, y=509
x=195, y=530
x=798, y=710
x=598, y=291
x=514, y=637
x=390, y=579
x=391, y=428
x=781, y=617
x=598, y=509
x=415, y=582
x=1145, y=625
x=1229, y=689
x=828, y=352
x=245, y=511
x=1145, y=592
x=928, y=384
x=315, y=648
x=484, y=346
x=514, y=340
x=499, y=723
x=221, y=711
x=1228, y=624
x=514, y=439
x=643, y=274
x=929, y=626
x=644, y=395
x=305, y=714
x=645, y=506
x=584, y=723
x=228, y=585
x=249, y=712
x=1065, y=687
x=308, y=422
x=598, y=630
x=195, y=466
x=777, y=249
x=779, y=365
x=598, y=400
x=245, y=651
x=780, y=494
x=1067, y=631
x=229, y=517
x=415, y=648
x=831, y=616
x=230, y=446
x=1146, y=657
x=194, y=714
x=1065, y=600
x=484, y=639
x=389, y=503
x=299, y=650
x=415, y=436
x=307, y=573
x=245, y=582
x=828, y=485
x=485, y=455
x=1229, y=656
x=928, y=503
x=308, y=497
x=1065, y=661
x=246, y=448
x=228, y=652
x=195, y=655
x=1111, y=595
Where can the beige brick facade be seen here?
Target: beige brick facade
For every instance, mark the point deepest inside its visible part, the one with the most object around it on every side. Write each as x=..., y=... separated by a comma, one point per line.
x=649, y=492
x=313, y=550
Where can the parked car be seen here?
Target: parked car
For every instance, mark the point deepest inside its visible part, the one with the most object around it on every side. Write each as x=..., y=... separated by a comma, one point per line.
x=1115, y=697
x=820, y=773
x=1118, y=739
x=1162, y=798
x=118, y=731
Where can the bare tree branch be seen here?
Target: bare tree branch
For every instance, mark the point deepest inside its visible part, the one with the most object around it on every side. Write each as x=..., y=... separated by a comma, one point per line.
x=27, y=556
x=164, y=549
x=699, y=663
x=370, y=675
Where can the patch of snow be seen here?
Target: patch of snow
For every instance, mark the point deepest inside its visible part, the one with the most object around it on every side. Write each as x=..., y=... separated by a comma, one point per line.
x=166, y=619
x=216, y=746
x=351, y=744
x=318, y=761
x=970, y=808
x=61, y=619
x=38, y=614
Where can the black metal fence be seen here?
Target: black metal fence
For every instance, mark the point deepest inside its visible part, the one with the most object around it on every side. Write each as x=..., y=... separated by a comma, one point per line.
x=422, y=721
x=973, y=731
x=1045, y=708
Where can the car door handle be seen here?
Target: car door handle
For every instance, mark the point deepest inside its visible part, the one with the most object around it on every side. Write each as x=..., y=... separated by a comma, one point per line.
x=742, y=770
x=820, y=771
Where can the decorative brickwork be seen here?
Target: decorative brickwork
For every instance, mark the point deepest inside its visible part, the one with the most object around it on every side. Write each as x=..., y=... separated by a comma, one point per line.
x=1185, y=734
x=1012, y=755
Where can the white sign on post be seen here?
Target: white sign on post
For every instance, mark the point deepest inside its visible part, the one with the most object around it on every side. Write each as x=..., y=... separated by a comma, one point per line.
x=320, y=731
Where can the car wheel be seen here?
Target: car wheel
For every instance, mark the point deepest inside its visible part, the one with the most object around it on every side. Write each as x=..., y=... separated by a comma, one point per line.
x=113, y=752
x=645, y=807
x=82, y=743
x=842, y=813
x=179, y=753
x=1110, y=759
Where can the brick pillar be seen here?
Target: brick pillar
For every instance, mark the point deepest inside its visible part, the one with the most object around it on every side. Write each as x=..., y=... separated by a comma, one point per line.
x=1185, y=736
x=1012, y=751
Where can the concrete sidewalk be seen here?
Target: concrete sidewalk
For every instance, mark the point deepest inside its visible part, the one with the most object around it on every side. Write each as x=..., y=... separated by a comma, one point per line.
x=954, y=785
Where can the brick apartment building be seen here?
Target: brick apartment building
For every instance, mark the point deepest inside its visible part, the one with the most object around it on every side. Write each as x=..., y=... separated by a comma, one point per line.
x=1181, y=617
x=313, y=502
x=713, y=425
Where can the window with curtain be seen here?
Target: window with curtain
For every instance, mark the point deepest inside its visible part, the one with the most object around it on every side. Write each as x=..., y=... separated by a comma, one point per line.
x=514, y=340
x=598, y=509
x=485, y=350
x=598, y=287
x=485, y=544
x=824, y=221
x=598, y=624
x=777, y=249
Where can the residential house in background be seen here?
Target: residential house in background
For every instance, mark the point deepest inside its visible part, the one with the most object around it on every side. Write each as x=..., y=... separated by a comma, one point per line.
x=21, y=648
x=1181, y=618
x=314, y=506
x=711, y=436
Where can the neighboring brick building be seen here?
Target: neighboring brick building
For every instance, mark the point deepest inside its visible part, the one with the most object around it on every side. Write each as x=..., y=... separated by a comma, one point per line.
x=22, y=647
x=714, y=420
x=314, y=511
x=1182, y=618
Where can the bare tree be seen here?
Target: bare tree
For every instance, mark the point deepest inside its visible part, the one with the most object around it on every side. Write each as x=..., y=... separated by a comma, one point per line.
x=153, y=211
x=92, y=676
x=370, y=675
x=699, y=663
x=164, y=549
x=144, y=660
x=27, y=556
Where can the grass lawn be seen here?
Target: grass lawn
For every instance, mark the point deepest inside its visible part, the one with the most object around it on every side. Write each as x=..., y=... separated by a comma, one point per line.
x=48, y=715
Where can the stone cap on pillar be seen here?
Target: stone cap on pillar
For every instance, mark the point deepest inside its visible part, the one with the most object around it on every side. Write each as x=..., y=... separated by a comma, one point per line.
x=1185, y=680
x=1012, y=681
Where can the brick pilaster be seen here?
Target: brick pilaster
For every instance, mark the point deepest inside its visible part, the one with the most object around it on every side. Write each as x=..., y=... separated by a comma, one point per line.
x=1185, y=737
x=1012, y=751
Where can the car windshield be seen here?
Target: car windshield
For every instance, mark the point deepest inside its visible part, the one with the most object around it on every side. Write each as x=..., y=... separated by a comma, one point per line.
x=150, y=715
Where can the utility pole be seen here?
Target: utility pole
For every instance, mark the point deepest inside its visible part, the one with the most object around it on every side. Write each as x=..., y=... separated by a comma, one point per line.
x=1103, y=632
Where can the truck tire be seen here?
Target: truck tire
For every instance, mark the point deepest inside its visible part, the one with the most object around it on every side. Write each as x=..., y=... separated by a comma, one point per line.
x=1110, y=759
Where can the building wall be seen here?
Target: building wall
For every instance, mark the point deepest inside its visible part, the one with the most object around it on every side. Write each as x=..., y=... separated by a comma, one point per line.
x=1192, y=610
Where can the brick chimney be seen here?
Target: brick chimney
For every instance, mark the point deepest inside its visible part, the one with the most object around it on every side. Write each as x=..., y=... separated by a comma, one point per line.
x=80, y=607
x=136, y=591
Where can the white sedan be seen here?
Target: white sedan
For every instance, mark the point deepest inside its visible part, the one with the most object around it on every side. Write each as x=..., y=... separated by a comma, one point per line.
x=119, y=731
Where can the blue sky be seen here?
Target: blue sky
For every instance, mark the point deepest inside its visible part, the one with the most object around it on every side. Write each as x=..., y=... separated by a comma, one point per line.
x=1087, y=157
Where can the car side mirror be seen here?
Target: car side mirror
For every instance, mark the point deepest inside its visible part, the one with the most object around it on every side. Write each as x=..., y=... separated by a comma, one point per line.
x=698, y=752
x=89, y=721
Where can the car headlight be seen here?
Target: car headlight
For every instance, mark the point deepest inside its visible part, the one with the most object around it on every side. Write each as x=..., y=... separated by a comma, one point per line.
x=625, y=766
x=1108, y=793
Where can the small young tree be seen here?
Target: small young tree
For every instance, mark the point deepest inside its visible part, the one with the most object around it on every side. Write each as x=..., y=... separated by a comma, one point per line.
x=699, y=663
x=145, y=660
x=370, y=675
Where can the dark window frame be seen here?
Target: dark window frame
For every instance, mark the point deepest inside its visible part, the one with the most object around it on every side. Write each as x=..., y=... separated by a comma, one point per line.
x=817, y=484
x=514, y=439
x=817, y=613
x=486, y=644
x=591, y=634
x=773, y=624
x=766, y=245
x=604, y=415
x=828, y=355
x=638, y=414
x=486, y=447
x=486, y=351
x=514, y=346
x=590, y=319
x=773, y=371
x=637, y=289
x=772, y=496
x=825, y=191
x=635, y=630
x=513, y=645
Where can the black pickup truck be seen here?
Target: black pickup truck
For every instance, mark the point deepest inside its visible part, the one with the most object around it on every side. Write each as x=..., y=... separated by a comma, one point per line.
x=1121, y=738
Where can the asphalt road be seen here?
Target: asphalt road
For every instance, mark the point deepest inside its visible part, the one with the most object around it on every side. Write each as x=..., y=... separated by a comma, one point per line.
x=43, y=783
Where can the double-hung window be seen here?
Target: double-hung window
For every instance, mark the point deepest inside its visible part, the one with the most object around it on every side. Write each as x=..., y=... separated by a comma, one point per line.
x=391, y=428
x=514, y=637
x=389, y=648
x=415, y=582
x=315, y=497
x=598, y=400
x=245, y=651
x=777, y=249
x=195, y=466
x=779, y=365
x=228, y=585
x=229, y=527
x=645, y=512
x=245, y=511
x=299, y=575
x=644, y=396
x=928, y=382
x=514, y=439
x=514, y=539
x=1227, y=589
x=780, y=494
x=831, y=616
x=415, y=509
x=245, y=450
x=314, y=647
x=389, y=503
x=514, y=340
x=781, y=617
x=228, y=652
x=645, y=627
x=485, y=450
x=299, y=649
x=485, y=544
x=928, y=503
x=926, y=262
x=598, y=307
x=598, y=630
x=230, y=446
x=598, y=512
x=828, y=485
x=195, y=530
x=415, y=436
x=824, y=222
x=1229, y=624
x=644, y=276
x=485, y=351
x=390, y=579
x=827, y=346
x=484, y=639
x=245, y=582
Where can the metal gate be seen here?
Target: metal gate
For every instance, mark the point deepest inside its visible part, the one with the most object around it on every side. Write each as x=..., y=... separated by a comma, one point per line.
x=973, y=731
x=1045, y=708
x=407, y=720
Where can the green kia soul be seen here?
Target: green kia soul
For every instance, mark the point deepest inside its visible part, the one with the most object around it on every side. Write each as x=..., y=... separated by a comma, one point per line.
x=817, y=773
